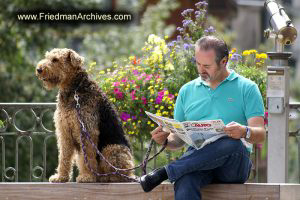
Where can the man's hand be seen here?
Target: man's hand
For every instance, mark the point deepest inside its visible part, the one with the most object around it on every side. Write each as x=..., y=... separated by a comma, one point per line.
x=235, y=130
x=159, y=136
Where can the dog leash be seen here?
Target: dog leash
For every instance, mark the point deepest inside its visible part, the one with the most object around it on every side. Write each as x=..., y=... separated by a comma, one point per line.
x=117, y=171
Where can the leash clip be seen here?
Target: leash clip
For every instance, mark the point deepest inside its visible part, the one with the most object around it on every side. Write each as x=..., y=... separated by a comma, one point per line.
x=76, y=97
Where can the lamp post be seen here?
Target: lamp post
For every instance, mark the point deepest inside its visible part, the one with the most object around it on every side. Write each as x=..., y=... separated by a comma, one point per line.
x=283, y=33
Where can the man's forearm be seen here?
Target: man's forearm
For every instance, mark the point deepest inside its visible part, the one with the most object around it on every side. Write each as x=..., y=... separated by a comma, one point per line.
x=258, y=135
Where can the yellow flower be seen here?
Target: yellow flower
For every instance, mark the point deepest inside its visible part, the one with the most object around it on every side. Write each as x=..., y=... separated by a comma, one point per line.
x=102, y=72
x=263, y=55
x=92, y=64
x=149, y=122
x=246, y=53
x=152, y=125
x=131, y=58
x=161, y=107
x=233, y=50
x=139, y=121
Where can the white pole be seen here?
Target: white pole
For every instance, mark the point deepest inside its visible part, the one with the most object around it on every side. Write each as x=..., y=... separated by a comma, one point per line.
x=278, y=108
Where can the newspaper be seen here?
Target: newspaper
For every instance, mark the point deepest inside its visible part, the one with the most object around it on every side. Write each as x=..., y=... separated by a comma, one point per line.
x=194, y=133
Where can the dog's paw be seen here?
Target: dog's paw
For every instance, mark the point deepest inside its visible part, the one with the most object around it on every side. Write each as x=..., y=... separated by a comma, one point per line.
x=58, y=179
x=86, y=178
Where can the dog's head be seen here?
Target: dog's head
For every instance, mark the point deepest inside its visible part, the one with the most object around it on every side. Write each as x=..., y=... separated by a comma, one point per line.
x=58, y=66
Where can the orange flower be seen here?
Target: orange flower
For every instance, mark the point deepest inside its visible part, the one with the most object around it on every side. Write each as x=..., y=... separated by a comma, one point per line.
x=136, y=61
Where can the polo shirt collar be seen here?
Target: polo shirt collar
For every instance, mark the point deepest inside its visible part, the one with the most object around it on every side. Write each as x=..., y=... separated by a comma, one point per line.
x=233, y=75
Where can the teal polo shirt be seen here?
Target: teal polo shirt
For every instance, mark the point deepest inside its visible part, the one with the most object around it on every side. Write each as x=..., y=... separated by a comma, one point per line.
x=235, y=99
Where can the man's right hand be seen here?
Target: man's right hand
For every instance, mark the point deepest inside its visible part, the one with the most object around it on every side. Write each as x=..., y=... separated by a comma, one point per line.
x=159, y=136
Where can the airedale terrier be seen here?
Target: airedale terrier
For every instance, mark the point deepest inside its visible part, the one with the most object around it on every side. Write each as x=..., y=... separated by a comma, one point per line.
x=63, y=68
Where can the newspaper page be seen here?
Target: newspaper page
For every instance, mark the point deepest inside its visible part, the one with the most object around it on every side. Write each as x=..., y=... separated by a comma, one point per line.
x=194, y=133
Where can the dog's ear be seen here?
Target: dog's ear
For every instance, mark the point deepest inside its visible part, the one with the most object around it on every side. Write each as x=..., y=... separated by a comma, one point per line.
x=75, y=59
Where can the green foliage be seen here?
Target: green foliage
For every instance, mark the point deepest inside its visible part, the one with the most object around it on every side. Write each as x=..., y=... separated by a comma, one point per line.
x=1, y=124
x=116, y=43
x=139, y=86
x=251, y=65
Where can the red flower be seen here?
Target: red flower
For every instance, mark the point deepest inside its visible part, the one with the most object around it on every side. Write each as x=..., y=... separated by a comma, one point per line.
x=136, y=61
x=266, y=118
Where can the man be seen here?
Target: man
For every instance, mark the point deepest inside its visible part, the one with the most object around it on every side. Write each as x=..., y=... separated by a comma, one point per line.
x=218, y=93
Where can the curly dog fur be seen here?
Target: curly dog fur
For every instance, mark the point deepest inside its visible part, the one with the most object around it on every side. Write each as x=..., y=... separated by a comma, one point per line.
x=62, y=68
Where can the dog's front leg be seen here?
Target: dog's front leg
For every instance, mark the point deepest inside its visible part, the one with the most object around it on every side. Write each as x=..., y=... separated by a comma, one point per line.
x=85, y=169
x=66, y=151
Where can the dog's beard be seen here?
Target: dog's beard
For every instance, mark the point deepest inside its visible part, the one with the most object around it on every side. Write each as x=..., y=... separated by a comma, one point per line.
x=50, y=82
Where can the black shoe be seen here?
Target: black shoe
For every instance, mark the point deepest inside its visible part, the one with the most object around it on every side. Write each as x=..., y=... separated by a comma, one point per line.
x=153, y=179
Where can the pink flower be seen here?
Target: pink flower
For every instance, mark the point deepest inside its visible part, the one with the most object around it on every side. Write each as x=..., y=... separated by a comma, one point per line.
x=149, y=77
x=116, y=84
x=124, y=116
x=132, y=95
x=135, y=72
x=116, y=90
x=124, y=80
x=144, y=100
x=171, y=96
x=161, y=93
x=119, y=95
x=158, y=99
x=266, y=118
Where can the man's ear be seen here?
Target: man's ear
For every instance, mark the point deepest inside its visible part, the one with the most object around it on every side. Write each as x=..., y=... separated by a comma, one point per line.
x=75, y=59
x=224, y=61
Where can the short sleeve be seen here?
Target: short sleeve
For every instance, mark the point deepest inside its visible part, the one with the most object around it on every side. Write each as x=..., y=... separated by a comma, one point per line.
x=179, y=109
x=254, y=105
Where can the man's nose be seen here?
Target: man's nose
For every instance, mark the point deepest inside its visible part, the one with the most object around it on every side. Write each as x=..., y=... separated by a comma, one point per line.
x=201, y=69
x=39, y=70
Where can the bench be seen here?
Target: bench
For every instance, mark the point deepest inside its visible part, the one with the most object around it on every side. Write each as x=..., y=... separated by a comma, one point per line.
x=133, y=191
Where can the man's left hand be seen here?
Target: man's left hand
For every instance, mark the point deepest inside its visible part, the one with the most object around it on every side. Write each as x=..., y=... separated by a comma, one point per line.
x=235, y=130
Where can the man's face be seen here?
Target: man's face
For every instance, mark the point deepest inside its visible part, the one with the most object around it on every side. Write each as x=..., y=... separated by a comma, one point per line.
x=207, y=67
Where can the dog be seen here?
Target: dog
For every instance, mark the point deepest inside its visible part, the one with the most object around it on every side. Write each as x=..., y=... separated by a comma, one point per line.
x=63, y=68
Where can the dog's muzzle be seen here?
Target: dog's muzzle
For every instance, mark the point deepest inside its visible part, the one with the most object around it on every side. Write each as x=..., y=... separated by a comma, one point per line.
x=39, y=70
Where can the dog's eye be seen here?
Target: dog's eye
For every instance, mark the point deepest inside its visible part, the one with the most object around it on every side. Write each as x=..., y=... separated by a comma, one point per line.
x=54, y=60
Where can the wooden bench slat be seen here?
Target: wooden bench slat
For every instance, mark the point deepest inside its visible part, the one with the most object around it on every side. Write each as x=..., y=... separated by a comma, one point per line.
x=133, y=191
